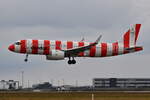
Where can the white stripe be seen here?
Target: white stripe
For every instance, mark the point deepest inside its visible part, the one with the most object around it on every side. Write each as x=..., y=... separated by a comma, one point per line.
x=75, y=44
x=98, y=50
x=17, y=47
x=132, y=36
x=87, y=52
x=120, y=48
x=109, y=49
x=64, y=45
x=40, y=46
x=52, y=45
x=29, y=44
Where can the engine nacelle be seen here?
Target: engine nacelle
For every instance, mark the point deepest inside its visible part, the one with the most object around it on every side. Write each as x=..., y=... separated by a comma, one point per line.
x=56, y=55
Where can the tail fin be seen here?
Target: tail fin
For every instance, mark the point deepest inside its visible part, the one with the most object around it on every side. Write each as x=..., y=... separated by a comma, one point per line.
x=131, y=36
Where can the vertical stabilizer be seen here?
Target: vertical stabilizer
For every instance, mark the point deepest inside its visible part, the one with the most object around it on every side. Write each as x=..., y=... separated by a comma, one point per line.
x=131, y=36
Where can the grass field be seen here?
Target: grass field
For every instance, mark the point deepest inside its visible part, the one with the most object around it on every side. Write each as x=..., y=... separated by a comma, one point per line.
x=74, y=96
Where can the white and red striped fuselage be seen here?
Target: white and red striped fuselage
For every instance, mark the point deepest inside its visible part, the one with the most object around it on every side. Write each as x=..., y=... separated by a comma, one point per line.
x=44, y=47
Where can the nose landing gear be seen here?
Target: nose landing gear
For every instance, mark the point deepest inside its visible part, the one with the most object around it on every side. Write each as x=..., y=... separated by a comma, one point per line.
x=26, y=59
x=73, y=61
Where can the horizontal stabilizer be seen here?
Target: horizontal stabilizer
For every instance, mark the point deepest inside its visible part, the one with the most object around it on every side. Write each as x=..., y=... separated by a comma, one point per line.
x=137, y=48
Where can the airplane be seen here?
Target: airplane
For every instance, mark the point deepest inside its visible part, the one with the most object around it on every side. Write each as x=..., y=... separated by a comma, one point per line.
x=59, y=50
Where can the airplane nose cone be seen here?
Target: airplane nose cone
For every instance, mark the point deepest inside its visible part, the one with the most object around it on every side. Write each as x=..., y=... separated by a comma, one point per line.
x=11, y=47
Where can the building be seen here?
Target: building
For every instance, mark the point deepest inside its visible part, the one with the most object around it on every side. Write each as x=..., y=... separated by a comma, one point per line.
x=9, y=85
x=121, y=83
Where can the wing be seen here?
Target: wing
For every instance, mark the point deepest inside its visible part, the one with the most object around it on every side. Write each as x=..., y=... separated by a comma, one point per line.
x=76, y=51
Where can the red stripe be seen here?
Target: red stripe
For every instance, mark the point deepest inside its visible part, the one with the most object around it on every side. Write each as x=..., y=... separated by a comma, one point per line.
x=137, y=29
x=58, y=45
x=23, y=46
x=69, y=44
x=92, y=51
x=34, y=46
x=80, y=44
x=115, y=48
x=103, y=49
x=126, y=40
x=46, y=47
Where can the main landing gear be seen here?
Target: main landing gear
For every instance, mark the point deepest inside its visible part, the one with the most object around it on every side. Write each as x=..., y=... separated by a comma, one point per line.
x=26, y=59
x=73, y=61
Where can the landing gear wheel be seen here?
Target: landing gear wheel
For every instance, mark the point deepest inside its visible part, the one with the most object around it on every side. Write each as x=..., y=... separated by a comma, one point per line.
x=69, y=62
x=73, y=62
x=26, y=59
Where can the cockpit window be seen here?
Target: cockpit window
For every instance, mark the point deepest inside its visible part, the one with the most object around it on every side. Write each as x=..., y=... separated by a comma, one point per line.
x=17, y=43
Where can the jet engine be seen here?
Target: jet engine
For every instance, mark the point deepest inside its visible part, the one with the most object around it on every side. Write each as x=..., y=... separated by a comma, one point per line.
x=56, y=55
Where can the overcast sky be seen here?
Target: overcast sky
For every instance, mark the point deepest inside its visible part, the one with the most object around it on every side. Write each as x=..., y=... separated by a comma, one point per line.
x=72, y=20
